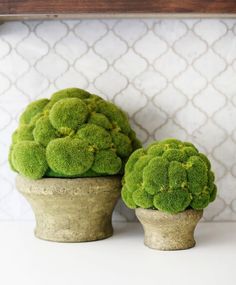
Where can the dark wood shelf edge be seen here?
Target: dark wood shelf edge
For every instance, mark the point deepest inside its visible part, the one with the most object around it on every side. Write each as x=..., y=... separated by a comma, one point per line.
x=112, y=16
x=66, y=7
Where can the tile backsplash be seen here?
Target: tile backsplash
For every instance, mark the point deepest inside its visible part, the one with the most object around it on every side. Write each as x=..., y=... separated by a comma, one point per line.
x=175, y=78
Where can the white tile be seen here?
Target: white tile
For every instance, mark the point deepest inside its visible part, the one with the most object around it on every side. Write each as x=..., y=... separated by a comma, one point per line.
x=170, y=100
x=190, y=118
x=130, y=30
x=170, y=130
x=226, y=153
x=190, y=47
x=110, y=47
x=227, y=188
x=131, y=94
x=51, y=32
x=226, y=117
x=214, y=209
x=5, y=83
x=5, y=118
x=170, y=64
x=131, y=64
x=91, y=65
x=210, y=30
x=71, y=78
x=226, y=47
x=90, y=31
x=33, y=82
x=32, y=48
x=209, y=100
x=170, y=30
x=190, y=82
x=210, y=65
x=52, y=66
x=225, y=83
x=111, y=82
x=14, y=32
x=14, y=101
x=150, y=83
x=150, y=46
x=150, y=117
x=4, y=48
x=13, y=66
x=209, y=135
x=71, y=47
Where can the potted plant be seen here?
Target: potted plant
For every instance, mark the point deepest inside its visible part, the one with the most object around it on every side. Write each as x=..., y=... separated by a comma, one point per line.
x=70, y=151
x=168, y=184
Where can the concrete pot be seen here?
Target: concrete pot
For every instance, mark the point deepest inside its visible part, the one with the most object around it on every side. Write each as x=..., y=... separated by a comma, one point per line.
x=165, y=231
x=72, y=210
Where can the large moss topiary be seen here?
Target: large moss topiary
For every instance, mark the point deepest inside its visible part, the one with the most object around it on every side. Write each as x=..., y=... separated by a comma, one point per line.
x=169, y=176
x=74, y=134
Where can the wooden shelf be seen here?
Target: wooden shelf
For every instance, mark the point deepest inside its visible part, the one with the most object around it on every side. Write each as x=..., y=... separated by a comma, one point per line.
x=31, y=9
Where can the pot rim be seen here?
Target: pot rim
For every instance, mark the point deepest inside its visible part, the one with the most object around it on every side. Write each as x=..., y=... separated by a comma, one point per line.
x=66, y=186
x=161, y=214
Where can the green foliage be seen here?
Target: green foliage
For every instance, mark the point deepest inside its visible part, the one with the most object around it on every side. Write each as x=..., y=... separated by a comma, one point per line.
x=70, y=93
x=127, y=197
x=98, y=137
x=142, y=199
x=29, y=159
x=68, y=113
x=73, y=134
x=122, y=143
x=169, y=176
x=106, y=161
x=135, y=177
x=100, y=120
x=155, y=175
x=135, y=142
x=115, y=115
x=133, y=159
x=24, y=133
x=172, y=202
x=69, y=156
x=43, y=131
x=32, y=110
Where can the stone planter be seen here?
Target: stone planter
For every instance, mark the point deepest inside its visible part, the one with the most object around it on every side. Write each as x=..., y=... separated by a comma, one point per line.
x=165, y=231
x=72, y=210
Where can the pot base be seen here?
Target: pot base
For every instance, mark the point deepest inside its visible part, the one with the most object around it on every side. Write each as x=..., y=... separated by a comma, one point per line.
x=165, y=231
x=70, y=229
x=71, y=237
x=72, y=210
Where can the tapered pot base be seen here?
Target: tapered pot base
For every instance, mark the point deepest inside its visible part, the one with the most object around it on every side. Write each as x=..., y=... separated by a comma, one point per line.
x=165, y=231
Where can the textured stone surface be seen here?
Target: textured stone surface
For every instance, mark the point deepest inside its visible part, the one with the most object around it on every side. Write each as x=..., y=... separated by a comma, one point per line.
x=72, y=210
x=166, y=231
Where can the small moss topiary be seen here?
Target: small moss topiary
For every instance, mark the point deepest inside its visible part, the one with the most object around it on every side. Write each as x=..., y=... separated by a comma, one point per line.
x=74, y=134
x=169, y=176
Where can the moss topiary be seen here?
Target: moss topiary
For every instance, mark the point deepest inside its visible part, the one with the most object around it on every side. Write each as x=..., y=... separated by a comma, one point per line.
x=74, y=134
x=169, y=176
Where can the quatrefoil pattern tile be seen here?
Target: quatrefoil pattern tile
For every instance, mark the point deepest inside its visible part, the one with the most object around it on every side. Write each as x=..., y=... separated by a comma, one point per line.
x=175, y=78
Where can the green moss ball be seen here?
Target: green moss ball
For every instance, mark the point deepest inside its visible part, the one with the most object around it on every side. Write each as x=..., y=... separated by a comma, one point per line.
x=69, y=156
x=107, y=161
x=73, y=134
x=29, y=159
x=169, y=176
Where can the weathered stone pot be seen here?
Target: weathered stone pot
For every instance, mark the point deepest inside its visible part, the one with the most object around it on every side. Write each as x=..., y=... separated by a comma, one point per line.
x=72, y=210
x=165, y=231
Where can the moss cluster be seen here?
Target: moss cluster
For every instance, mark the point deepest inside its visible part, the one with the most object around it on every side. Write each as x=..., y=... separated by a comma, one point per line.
x=169, y=176
x=74, y=134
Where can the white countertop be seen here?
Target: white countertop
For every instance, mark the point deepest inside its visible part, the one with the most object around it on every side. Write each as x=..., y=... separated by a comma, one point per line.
x=121, y=259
